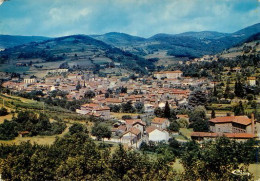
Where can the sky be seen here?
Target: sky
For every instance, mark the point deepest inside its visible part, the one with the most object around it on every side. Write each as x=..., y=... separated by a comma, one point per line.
x=144, y=18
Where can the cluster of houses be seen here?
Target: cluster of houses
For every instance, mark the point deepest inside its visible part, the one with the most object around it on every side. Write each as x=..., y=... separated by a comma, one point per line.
x=153, y=92
x=135, y=131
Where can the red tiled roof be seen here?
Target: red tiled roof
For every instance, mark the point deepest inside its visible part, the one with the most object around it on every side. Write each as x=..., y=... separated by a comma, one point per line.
x=90, y=105
x=134, y=121
x=134, y=131
x=239, y=135
x=157, y=120
x=150, y=129
x=229, y=135
x=113, y=100
x=229, y=119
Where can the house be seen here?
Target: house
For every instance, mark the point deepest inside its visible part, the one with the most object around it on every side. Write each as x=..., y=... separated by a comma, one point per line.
x=173, y=74
x=202, y=136
x=23, y=133
x=168, y=74
x=29, y=81
x=95, y=110
x=160, y=123
x=113, y=101
x=118, y=130
x=251, y=81
x=232, y=124
x=57, y=71
x=132, y=136
x=149, y=108
x=135, y=123
x=236, y=69
x=155, y=134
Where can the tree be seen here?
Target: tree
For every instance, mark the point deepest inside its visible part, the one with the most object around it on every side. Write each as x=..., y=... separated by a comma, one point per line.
x=76, y=128
x=101, y=131
x=200, y=126
x=199, y=113
x=239, y=109
x=89, y=94
x=127, y=107
x=250, y=97
x=198, y=98
x=227, y=91
x=78, y=86
x=114, y=108
x=183, y=122
x=174, y=126
x=3, y=111
x=213, y=114
x=167, y=110
x=239, y=90
x=158, y=112
x=64, y=65
x=7, y=130
x=139, y=106
x=207, y=162
x=254, y=104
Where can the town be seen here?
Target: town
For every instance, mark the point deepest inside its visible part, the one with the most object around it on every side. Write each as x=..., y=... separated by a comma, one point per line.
x=129, y=90
x=141, y=95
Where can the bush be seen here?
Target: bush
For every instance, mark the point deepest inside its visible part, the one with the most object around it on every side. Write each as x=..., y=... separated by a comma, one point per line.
x=250, y=97
x=7, y=130
x=183, y=123
x=124, y=117
x=174, y=126
x=3, y=111
x=77, y=128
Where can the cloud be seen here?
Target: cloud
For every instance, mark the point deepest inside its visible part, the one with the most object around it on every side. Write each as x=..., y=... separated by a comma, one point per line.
x=137, y=17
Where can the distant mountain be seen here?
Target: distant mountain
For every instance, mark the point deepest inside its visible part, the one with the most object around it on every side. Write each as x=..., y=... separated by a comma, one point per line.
x=79, y=50
x=204, y=34
x=254, y=37
x=248, y=31
x=249, y=47
x=118, y=39
x=188, y=44
x=7, y=41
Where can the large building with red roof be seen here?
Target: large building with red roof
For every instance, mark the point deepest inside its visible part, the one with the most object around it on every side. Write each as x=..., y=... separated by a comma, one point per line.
x=239, y=128
x=231, y=124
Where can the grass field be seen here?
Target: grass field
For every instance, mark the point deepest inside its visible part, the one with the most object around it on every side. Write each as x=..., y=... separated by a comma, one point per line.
x=255, y=170
x=13, y=68
x=13, y=102
x=186, y=132
x=8, y=117
x=42, y=140
x=119, y=115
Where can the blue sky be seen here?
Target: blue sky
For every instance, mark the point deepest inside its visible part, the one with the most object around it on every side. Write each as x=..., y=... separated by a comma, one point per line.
x=136, y=17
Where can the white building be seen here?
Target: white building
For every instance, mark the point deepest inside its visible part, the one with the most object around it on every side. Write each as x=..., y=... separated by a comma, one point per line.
x=157, y=135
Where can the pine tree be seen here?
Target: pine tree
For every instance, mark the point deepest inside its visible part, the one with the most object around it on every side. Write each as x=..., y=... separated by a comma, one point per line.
x=215, y=93
x=239, y=109
x=167, y=110
x=78, y=86
x=227, y=91
x=213, y=114
x=239, y=91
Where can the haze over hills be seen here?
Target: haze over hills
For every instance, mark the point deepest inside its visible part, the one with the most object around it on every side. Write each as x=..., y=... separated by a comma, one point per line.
x=189, y=44
x=119, y=39
x=8, y=41
x=132, y=52
x=79, y=50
